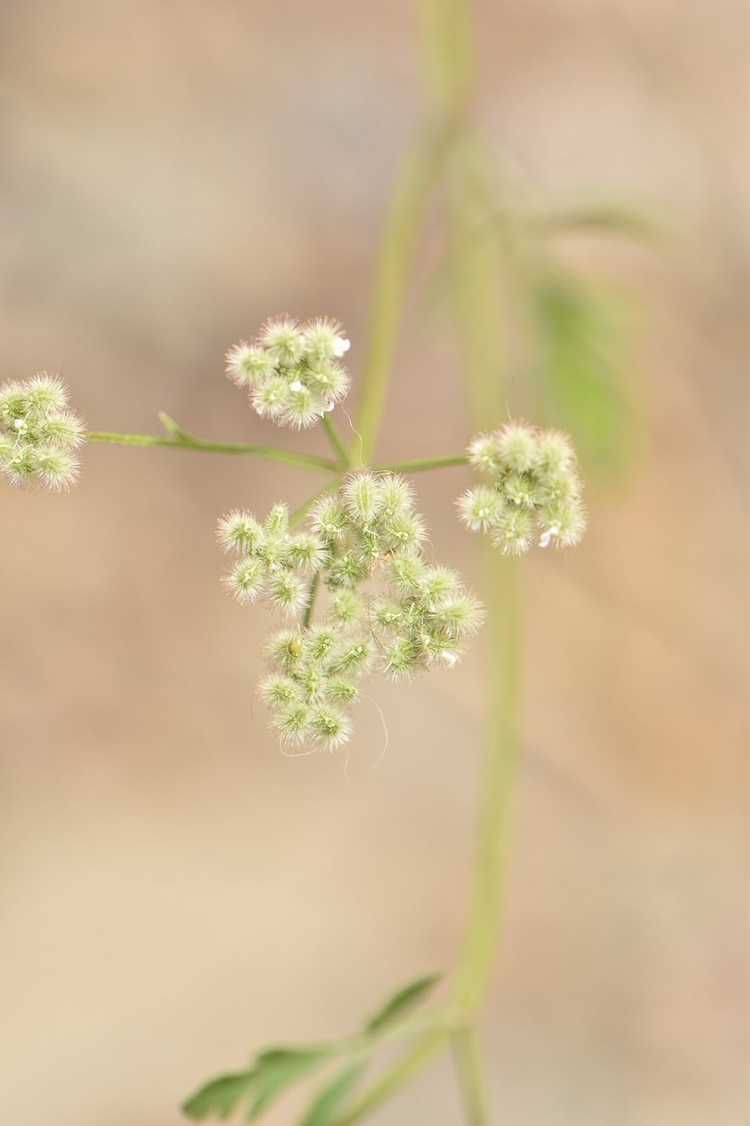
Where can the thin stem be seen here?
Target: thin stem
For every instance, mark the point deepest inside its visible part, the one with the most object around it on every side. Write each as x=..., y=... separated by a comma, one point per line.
x=415, y=1059
x=269, y=453
x=468, y=1059
x=409, y=207
x=420, y=465
x=312, y=594
x=337, y=444
x=498, y=776
x=300, y=513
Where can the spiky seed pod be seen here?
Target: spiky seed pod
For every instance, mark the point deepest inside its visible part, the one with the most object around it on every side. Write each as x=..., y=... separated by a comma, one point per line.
x=38, y=435
x=293, y=723
x=514, y=531
x=396, y=497
x=301, y=408
x=278, y=691
x=287, y=591
x=270, y=398
x=461, y=616
x=330, y=727
x=246, y=580
x=407, y=571
x=346, y=608
x=318, y=643
x=282, y=338
x=484, y=453
x=248, y=364
x=480, y=508
x=239, y=531
x=517, y=445
x=535, y=489
x=324, y=341
x=401, y=658
x=362, y=498
x=306, y=552
x=329, y=519
x=285, y=650
x=340, y=691
x=437, y=584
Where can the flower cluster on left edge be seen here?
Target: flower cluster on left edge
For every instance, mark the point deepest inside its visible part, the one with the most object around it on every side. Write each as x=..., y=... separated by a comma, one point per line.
x=39, y=435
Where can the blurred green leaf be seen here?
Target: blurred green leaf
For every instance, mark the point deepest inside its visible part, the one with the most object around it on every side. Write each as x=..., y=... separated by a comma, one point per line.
x=401, y=1002
x=278, y=1069
x=273, y=1071
x=324, y=1108
x=582, y=356
x=607, y=218
x=221, y=1097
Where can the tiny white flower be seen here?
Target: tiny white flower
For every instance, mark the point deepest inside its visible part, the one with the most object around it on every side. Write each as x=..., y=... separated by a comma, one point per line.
x=546, y=537
x=449, y=659
x=341, y=347
x=296, y=386
x=20, y=424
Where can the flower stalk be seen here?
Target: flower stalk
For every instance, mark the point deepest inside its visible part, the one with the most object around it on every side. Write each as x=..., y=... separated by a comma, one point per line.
x=199, y=445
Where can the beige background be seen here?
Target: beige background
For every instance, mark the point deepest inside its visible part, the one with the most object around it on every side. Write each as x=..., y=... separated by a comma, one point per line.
x=174, y=892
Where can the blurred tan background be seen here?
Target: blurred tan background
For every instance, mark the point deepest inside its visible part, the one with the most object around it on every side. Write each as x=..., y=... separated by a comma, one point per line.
x=174, y=891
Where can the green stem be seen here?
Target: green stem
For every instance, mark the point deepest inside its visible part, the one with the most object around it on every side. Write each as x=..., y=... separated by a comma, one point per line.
x=468, y=1060
x=300, y=513
x=337, y=444
x=420, y=465
x=498, y=776
x=409, y=207
x=312, y=594
x=419, y=1054
x=269, y=453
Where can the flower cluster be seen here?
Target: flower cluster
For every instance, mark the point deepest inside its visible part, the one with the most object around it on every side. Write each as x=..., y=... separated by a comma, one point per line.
x=533, y=488
x=292, y=371
x=389, y=609
x=38, y=435
x=273, y=558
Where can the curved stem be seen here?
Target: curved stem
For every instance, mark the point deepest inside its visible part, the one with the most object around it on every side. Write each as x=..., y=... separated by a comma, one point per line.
x=336, y=441
x=269, y=453
x=468, y=1059
x=420, y=465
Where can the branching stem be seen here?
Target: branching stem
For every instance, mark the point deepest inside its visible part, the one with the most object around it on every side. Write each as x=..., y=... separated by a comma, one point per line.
x=268, y=453
x=421, y=465
x=336, y=441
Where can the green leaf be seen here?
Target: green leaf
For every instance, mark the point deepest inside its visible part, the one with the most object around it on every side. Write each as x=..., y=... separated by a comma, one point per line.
x=608, y=218
x=323, y=1110
x=221, y=1096
x=401, y=1002
x=277, y=1069
x=580, y=370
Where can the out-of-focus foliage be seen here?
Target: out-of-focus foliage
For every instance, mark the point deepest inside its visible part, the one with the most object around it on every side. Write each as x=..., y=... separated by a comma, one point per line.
x=580, y=366
x=275, y=1070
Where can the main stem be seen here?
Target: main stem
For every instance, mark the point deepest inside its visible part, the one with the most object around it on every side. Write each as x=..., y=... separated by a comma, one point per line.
x=498, y=774
x=468, y=1059
x=404, y=222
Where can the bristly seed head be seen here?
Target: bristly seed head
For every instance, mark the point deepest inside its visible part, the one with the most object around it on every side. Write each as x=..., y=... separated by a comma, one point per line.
x=38, y=435
x=292, y=371
x=534, y=494
x=366, y=532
